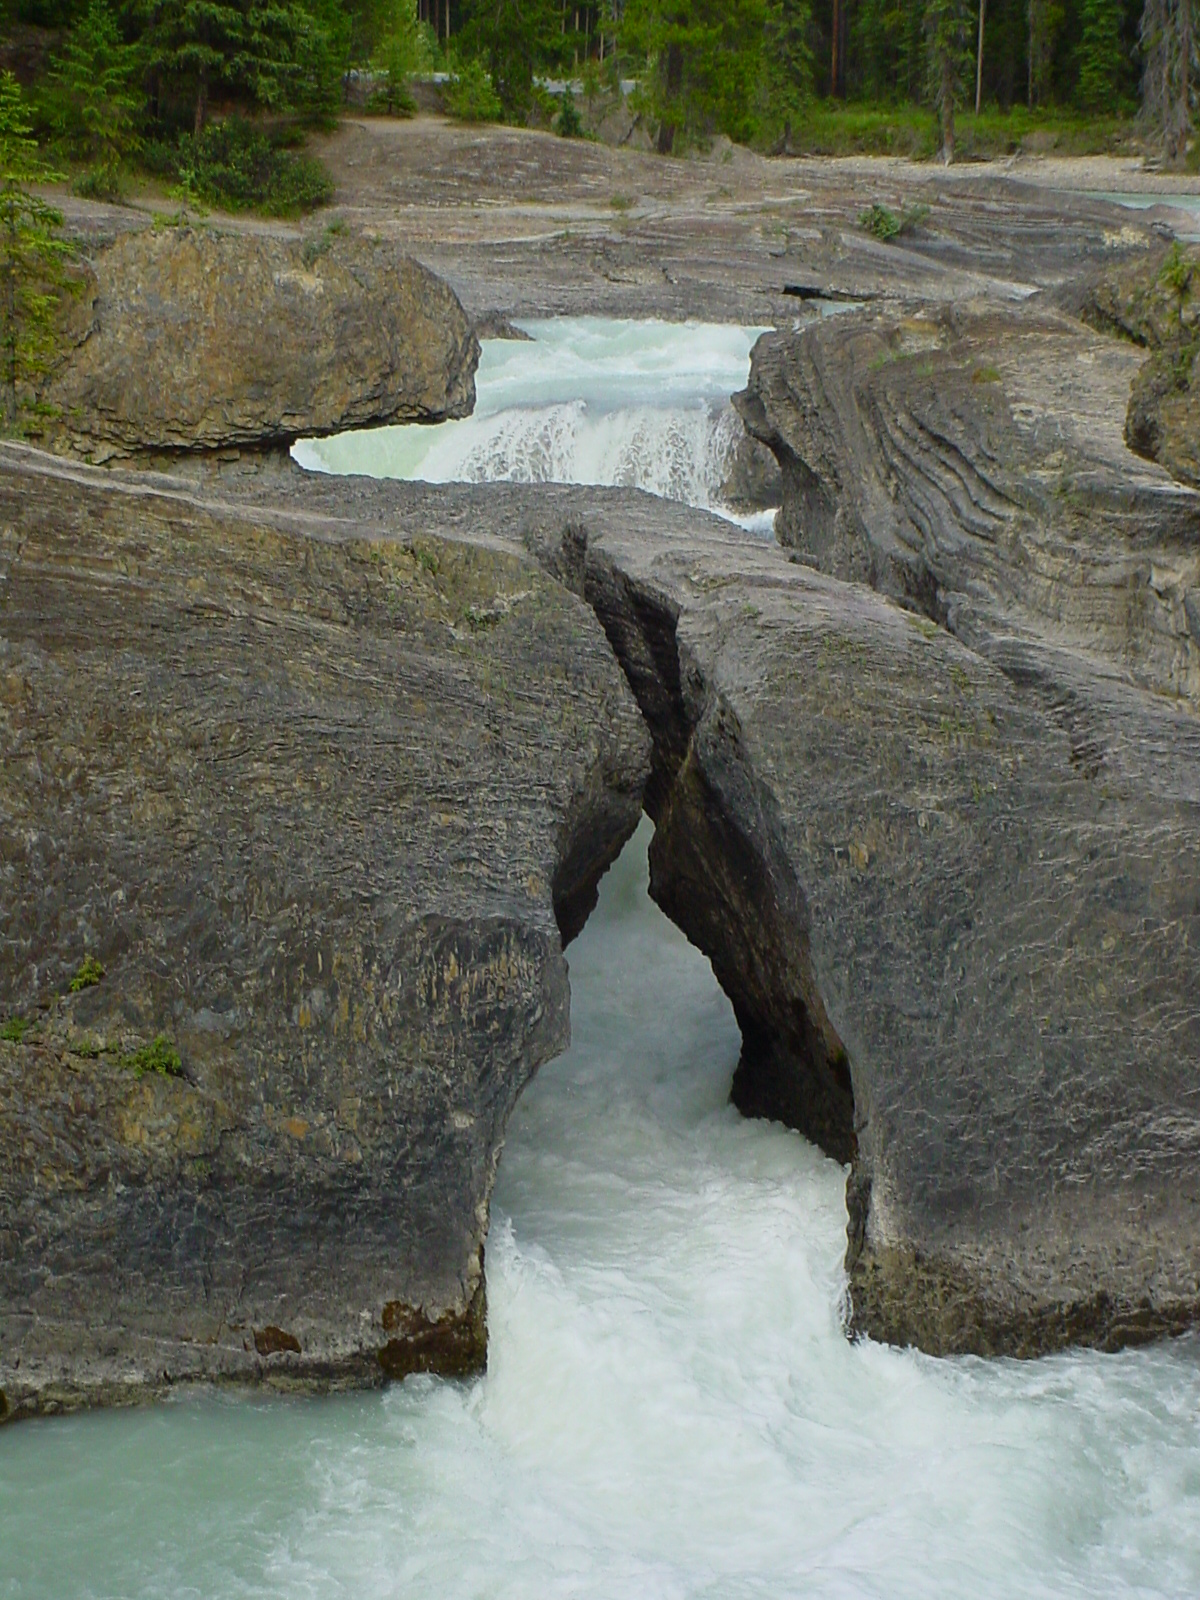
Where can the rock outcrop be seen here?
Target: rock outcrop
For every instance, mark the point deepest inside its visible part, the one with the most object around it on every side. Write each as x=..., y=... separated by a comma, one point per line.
x=317, y=776
x=1155, y=303
x=192, y=340
x=320, y=794
x=1009, y=954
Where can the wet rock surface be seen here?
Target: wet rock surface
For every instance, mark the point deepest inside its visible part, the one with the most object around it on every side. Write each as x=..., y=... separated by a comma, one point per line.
x=315, y=790
x=196, y=340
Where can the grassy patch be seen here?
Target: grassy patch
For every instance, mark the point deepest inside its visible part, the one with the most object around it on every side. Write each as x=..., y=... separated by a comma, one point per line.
x=832, y=129
x=15, y=1029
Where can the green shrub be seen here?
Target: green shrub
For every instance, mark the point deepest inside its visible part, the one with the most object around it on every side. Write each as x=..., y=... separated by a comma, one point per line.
x=236, y=166
x=568, y=123
x=470, y=96
x=15, y=1029
x=160, y=1057
x=886, y=225
x=89, y=973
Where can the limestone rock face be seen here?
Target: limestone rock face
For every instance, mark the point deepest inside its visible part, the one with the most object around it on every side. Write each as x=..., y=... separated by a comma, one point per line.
x=999, y=848
x=192, y=340
x=320, y=795
x=1155, y=303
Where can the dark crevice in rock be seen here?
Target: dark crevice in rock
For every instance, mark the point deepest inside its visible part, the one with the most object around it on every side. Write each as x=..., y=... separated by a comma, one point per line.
x=724, y=881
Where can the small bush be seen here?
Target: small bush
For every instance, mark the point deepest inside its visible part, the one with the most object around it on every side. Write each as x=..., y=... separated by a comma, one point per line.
x=568, y=124
x=886, y=225
x=15, y=1029
x=89, y=973
x=160, y=1057
x=880, y=222
x=470, y=96
x=236, y=166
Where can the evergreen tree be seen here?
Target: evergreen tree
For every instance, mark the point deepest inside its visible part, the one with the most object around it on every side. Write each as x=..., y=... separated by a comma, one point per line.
x=406, y=49
x=947, y=35
x=1045, y=20
x=257, y=49
x=1168, y=38
x=1100, y=54
x=517, y=40
x=95, y=74
x=706, y=64
x=787, y=67
x=32, y=256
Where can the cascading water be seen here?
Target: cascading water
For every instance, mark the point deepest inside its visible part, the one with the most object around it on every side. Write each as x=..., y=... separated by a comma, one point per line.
x=671, y=1411
x=583, y=400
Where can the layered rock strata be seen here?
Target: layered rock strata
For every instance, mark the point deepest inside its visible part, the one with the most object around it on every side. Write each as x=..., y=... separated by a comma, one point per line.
x=192, y=340
x=1027, y=1173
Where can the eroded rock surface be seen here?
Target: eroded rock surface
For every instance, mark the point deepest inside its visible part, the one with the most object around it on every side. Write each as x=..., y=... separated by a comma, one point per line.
x=1027, y=1170
x=193, y=340
x=1155, y=302
x=317, y=787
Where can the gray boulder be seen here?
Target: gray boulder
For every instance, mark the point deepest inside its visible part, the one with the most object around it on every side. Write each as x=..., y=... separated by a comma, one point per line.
x=191, y=340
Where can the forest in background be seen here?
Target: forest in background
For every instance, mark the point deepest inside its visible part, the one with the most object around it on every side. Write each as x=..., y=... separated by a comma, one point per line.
x=213, y=97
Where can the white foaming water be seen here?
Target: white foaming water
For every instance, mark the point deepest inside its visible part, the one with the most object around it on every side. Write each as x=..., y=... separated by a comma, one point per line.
x=671, y=1411
x=586, y=400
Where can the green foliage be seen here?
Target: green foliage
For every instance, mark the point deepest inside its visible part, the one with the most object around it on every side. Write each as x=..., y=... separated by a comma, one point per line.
x=881, y=222
x=99, y=103
x=238, y=167
x=948, y=42
x=885, y=225
x=568, y=123
x=470, y=95
x=15, y=1029
x=32, y=261
x=1176, y=274
x=161, y=1057
x=89, y=974
x=407, y=48
x=709, y=64
x=269, y=53
x=517, y=41
x=1101, y=58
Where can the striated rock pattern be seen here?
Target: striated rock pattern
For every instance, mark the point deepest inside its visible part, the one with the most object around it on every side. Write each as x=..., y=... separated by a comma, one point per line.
x=193, y=340
x=1022, y=880
x=317, y=793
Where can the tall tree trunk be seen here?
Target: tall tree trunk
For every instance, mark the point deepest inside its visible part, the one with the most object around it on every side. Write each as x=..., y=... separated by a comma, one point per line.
x=201, y=102
x=9, y=272
x=673, y=84
x=947, y=109
x=835, y=63
x=979, y=60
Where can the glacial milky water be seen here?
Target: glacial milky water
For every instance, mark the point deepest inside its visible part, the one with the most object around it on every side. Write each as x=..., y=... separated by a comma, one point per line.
x=671, y=1411
x=1182, y=210
x=584, y=400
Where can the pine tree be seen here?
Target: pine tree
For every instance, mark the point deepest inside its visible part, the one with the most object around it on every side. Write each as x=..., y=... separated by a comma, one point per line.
x=706, y=65
x=947, y=37
x=1100, y=56
x=1169, y=50
x=257, y=49
x=32, y=274
x=517, y=40
x=96, y=73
